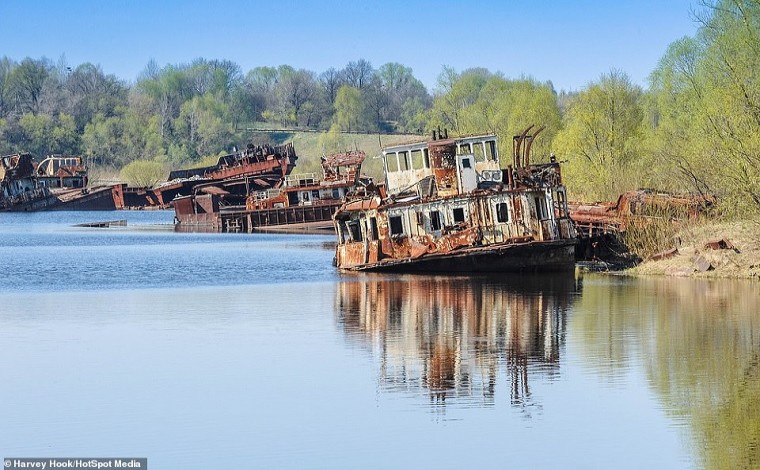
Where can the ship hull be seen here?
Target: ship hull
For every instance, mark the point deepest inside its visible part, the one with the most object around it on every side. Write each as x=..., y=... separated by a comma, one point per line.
x=557, y=255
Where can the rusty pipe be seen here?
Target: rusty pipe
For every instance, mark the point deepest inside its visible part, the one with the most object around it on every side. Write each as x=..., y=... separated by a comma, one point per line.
x=526, y=156
x=520, y=142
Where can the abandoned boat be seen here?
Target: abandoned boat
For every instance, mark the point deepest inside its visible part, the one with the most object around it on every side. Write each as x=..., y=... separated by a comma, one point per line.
x=235, y=174
x=447, y=206
x=303, y=202
x=58, y=182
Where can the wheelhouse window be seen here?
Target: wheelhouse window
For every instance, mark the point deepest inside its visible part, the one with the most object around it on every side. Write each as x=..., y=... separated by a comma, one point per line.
x=397, y=225
x=490, y=149
x=560, y=204
x=435, y=221
x=355, y=231
x=417, y=160
x=541, y=208
x=374, y=234
x=478, y=152
x=403, y=161
x=391, y=162
x=502, y=213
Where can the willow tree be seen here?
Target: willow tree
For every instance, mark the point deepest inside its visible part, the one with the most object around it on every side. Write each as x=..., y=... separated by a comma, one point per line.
x=456, y=92
x=601, y=138
x=349, y=109
x=477, y=102
x=706, y=106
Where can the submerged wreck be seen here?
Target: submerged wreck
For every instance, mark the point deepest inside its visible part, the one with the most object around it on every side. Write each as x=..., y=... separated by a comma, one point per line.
x=257, y=167
x=447, y=206
x=58, y=182
x=303, y=202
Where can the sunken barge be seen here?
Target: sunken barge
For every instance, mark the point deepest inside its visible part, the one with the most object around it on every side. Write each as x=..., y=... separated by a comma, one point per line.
x=447, y=206
x=303, y=202
x=58, y=182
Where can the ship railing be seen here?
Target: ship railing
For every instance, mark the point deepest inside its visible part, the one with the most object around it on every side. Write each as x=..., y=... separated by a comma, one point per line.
x=300, y=180
x=266, y=194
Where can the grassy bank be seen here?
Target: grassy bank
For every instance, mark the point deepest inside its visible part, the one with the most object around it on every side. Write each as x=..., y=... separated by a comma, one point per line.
x=743, y=262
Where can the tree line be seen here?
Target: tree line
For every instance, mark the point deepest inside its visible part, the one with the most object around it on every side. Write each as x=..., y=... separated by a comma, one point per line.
x=178, y=113
x=696, y=128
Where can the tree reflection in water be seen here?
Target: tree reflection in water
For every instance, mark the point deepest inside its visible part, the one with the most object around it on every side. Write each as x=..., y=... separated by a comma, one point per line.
x=699, y=344
x=449, y=337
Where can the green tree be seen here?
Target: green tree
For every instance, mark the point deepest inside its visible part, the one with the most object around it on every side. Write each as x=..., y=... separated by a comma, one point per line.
x=349, y=109
x=26, y=82
x=143, y=173
x=456, y=93
x=6, y=66
x=102, y=141
x=704, y=111
x=601, y=138
x=203, y=123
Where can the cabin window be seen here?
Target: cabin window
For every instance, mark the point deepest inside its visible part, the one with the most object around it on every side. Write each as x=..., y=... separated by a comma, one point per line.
x=305, y=196
x=315, y=194
x=490, y=149
x=391, y=161
x=355, y=231
x=426, y=157
x=403, y=160
x=559, y=203
x=336, y=193
x=417, y=159
x=466, y=163
x=435, y=220
x=397, y=226
x=502, y=213
x=420, y=218
x=342, y=229
x=478, y=151
x=458, y=214
x=374, y=234
x=464, y=149
x=541, y=207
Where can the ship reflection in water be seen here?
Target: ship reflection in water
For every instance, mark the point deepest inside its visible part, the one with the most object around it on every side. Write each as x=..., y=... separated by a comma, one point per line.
x=455, y=338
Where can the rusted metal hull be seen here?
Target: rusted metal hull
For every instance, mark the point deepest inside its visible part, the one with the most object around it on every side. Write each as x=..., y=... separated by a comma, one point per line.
x=556, y=255
x=299, y=203
x=285, y=219
x=99, y=199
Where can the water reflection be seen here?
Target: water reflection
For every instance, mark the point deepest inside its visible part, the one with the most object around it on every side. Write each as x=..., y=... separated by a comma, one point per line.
x=456, y=337
x=698, y=342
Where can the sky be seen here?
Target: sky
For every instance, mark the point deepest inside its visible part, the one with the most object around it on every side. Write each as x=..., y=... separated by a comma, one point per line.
x=570, y=43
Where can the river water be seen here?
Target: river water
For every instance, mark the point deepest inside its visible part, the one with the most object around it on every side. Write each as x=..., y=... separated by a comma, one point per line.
x=251, y=351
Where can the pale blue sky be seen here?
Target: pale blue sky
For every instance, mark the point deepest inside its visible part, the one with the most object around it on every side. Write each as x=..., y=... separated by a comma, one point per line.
x=570, y=43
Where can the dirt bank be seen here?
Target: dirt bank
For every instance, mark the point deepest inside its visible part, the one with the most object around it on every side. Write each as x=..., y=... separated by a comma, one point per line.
x=692, y=255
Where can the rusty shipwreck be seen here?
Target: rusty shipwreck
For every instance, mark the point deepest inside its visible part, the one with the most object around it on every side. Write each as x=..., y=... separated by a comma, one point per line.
x=448, y=206
x=293, y=202
x=58, y=182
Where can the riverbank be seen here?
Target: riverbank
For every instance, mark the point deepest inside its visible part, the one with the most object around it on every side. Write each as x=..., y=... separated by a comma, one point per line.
x=693, y=258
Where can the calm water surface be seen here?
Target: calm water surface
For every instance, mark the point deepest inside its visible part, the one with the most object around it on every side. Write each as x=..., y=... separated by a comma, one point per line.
x=214, y=351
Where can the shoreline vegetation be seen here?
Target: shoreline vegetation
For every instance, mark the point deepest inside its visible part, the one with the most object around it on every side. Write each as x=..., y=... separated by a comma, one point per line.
x=741, y=262
x=688, y=253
